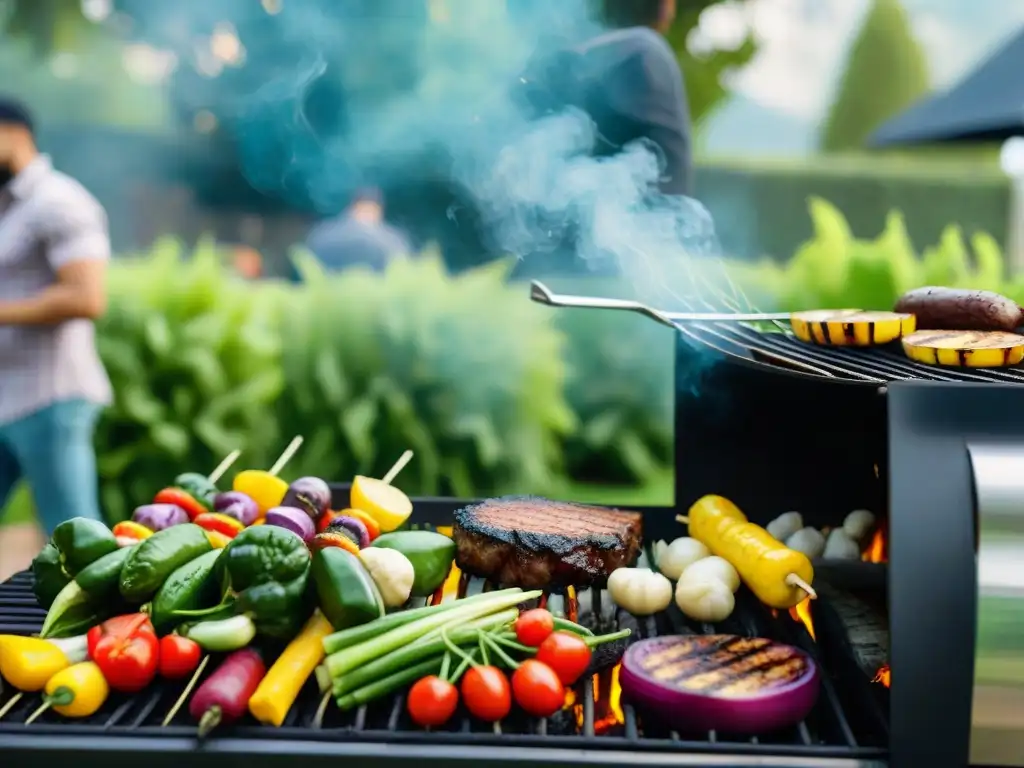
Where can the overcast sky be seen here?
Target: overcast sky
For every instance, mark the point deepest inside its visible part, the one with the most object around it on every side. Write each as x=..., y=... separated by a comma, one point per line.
x=803, y=43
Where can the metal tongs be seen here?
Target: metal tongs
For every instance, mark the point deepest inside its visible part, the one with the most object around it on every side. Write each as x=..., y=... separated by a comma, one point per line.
x=543, y=295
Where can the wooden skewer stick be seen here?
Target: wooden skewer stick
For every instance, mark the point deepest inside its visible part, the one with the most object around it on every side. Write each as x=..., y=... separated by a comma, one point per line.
x=792, y=579
x=10, y=704
x=795, y=581
x=289, y=452
x=224, y=466
x=404, y=459
x=187, y=692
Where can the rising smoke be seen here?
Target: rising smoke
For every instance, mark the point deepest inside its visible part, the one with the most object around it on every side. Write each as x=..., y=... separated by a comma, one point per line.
x=332, y=94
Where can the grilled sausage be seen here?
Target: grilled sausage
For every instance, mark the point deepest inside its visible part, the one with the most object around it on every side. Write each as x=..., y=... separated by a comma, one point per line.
x=957, y=309
x=764, y=563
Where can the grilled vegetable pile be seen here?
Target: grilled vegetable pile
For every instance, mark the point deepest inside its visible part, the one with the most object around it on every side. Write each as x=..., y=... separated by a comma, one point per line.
x=263, y=571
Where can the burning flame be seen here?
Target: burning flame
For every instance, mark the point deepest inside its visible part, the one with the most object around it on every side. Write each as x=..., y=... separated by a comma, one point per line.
x=876, y=551
x=607, y=696
x=883, y=675
x=802, y=613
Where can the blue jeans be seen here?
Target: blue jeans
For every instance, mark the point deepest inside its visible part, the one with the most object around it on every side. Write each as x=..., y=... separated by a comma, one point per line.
x=52, y=449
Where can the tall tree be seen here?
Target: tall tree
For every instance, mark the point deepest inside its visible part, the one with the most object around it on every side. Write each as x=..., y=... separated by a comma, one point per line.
x=886, y=72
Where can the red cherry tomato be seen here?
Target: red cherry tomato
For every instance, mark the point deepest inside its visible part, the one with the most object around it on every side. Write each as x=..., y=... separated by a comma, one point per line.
x=537, y=688
x=126, y=650
x=179, y=656
x=432, y=701
x=533, y=627
x=566, y=654
x=486, y=693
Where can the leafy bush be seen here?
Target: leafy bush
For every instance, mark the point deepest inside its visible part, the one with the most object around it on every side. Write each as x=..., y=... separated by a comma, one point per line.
x=836, y=269
x=464, y=370
x=621, y=386
x=195, y=364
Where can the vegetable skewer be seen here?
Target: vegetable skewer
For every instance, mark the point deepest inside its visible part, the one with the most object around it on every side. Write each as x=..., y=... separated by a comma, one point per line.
x=266, y=488
x=725, y=530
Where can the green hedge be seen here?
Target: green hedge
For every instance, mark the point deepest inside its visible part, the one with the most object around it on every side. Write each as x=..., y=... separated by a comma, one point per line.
x=493, y=392
x=835, y=268
x=760, y=207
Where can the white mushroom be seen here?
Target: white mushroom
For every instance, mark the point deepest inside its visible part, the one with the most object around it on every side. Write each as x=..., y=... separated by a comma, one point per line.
x=713, y=569
x=704, y=599
x=841, y=547
x=785, y=525
x=640, y=591
x=858, y=524
x=676, y=557
x=807, y=540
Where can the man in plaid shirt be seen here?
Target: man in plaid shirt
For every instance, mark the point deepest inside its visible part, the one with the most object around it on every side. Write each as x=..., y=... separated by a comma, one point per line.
x=54, y=246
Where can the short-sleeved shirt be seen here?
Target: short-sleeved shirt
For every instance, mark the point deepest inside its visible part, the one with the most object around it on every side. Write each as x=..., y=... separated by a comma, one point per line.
x=47, y=220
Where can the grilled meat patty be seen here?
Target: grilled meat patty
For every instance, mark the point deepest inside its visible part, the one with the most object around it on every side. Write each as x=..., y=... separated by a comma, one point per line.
x=534, y=543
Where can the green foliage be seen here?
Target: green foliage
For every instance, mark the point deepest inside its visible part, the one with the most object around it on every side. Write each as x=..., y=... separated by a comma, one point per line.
x=465, y=371
x=622, y=388
x=195, y=363
x=836, y=269
x=886, y=72
x=760, y=206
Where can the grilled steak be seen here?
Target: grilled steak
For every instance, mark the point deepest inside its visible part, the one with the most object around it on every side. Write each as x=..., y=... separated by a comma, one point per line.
x=534, y=543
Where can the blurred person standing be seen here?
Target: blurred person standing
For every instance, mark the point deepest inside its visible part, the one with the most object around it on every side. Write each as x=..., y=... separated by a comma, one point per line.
x=54, y=248
x=629, y=82
x=359, y=236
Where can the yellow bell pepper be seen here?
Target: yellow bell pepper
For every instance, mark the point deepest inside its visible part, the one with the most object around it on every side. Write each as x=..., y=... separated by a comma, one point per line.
x=78, y=691
x=28, y=663
x=265, y=489
x=279, y=689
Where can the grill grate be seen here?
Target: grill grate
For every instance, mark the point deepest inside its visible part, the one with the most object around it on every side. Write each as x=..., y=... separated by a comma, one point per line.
x=778, y=347
x=593, y=722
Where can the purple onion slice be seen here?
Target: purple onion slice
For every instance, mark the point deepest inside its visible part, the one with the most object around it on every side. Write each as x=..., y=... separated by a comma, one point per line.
x=745, y=685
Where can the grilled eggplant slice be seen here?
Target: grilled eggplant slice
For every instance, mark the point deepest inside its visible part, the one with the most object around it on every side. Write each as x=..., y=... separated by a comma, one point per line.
x=850, y=327
x=965, y=349
x=956, y=309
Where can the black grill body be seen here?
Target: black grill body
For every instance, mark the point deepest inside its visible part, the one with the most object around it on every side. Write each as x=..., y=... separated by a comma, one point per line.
x=775, y=441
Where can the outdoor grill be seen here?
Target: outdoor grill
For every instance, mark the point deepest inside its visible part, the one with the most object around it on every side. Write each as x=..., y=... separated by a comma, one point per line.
x=776, y=424
x=849, y=726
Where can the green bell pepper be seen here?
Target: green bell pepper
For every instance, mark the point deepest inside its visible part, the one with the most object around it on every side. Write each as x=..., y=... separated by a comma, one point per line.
x=430, y=553
x=75, y=544
x=266, y=571
x=346, y=593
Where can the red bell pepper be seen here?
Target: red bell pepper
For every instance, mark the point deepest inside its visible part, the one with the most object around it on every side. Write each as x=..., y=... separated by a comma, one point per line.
x=126, y=650
x=218, y=523
x=183, y=499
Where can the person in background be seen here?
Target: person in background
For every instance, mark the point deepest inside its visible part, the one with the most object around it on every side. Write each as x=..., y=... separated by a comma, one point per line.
x=359, y=236
x=54, y=248
x=629, y=82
